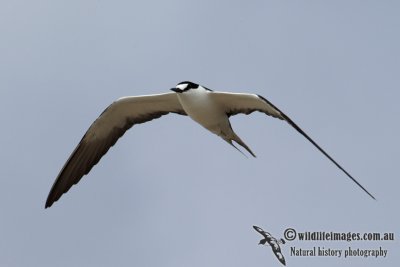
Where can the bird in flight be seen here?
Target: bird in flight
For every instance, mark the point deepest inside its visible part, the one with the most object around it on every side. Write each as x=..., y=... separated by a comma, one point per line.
x=273, y=242
x=211, y=109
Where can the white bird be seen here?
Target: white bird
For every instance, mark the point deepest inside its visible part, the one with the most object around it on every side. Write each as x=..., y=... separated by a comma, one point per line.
x=211, y=109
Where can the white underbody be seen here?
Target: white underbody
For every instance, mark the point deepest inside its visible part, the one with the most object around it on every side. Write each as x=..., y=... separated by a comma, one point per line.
x=201, y=108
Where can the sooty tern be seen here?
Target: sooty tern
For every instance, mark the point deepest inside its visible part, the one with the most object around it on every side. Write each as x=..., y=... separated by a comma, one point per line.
x=273, y=242
x=209, y=108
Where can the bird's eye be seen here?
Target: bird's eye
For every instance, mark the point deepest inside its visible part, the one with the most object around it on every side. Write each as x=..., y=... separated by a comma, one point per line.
x=182, y=86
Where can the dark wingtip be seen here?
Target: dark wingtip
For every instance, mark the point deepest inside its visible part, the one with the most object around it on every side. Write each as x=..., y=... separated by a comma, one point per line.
x=47, y=205
x=368, y=193
x=372, y=196
x=295, y=126
x=50, y=201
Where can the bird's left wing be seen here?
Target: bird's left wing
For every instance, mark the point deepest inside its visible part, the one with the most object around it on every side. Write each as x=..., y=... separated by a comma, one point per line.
x=104, y=133
x=261, y=231
x=235, y=103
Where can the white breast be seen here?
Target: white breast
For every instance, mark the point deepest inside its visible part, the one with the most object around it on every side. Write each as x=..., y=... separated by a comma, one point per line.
x=200, y=107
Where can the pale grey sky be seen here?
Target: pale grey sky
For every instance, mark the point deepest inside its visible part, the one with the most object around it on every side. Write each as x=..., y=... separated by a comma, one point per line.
x=170, y=193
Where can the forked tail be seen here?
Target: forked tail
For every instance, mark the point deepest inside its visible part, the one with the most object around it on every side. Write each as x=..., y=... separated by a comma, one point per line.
x=240, y=142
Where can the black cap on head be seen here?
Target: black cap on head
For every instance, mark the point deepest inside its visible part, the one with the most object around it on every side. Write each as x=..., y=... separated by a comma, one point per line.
x=184, y=86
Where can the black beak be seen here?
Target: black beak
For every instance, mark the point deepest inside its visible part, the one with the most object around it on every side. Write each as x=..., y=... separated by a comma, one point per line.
x=176, y=90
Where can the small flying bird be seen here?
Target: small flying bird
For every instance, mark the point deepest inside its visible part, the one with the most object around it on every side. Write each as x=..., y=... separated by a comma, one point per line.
x=211, y=109
x=273, y=242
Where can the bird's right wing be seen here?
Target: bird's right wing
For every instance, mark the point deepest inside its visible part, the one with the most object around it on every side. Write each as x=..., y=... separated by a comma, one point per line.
x=104, y=133
x=278, y=253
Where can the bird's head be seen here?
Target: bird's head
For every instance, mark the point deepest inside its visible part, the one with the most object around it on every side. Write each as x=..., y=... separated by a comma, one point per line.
x=184, y=86
x=262, y=241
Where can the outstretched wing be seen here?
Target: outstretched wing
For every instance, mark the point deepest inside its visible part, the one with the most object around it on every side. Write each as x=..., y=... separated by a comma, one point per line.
x=258, y=229
x=104, y=133
x=234, y=103
x=273, y=243
x=277, y=251
x=261, y=231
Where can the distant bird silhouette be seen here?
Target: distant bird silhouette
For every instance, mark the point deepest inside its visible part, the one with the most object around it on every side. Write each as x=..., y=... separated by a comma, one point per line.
x=273, y=242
